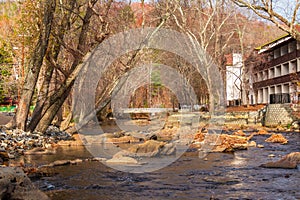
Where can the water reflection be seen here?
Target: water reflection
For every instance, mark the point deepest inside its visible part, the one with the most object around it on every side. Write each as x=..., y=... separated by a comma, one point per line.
x=239, y=161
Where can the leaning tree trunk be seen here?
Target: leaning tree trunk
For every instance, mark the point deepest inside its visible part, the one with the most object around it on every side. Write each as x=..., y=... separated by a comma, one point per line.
x=35, y=64
x=43, y=99
x=56, y=100
x=48, y=117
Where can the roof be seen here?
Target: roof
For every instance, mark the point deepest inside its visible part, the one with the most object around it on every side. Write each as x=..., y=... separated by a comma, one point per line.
x=270, y=45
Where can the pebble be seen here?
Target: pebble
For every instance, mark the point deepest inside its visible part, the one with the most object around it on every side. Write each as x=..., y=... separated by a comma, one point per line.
x=15, y=142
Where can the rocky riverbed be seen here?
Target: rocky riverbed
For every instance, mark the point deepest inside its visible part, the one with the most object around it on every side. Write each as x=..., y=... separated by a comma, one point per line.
x=14, y=143
x=219, y=175
x=42, y=155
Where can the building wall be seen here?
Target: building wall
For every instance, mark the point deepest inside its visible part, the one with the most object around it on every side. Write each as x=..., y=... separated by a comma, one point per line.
x=233, y=78
x=279, y=74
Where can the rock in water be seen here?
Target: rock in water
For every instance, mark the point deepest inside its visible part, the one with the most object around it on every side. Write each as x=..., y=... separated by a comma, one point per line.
x=230, y=143
x=152, y=148
x=289, y=161
x=122, y=159
x=239, y=133
x=14, y=184
x=277, y=138
x=262, y=132
x=149, y=148
x=124, y=139
x=168, y=149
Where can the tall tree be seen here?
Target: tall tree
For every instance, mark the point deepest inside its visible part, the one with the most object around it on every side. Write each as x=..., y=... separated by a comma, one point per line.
x=35, y=65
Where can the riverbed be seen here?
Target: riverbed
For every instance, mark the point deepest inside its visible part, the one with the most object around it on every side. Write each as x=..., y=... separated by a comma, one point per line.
x=216, y=176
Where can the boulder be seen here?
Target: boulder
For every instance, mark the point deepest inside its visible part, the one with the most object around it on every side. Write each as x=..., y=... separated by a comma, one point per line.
x=166, y=134
x=262, y=132
x=199, y=137
x=230, y=143
x=59, y=163
x=239, y=133
x=150, y=148
x=77, y=141
x=168, y=149
x=289, y=161
x=14, y=184
x=122, y=159
x=277, y=138
x=124, y=139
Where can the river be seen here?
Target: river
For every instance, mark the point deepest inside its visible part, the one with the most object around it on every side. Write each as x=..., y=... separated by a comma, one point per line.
x=218, y=176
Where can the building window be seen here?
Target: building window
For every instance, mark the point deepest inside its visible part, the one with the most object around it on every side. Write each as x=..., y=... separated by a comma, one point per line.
x=278, y=71
x=286, y=88
x=276, y=53
x=260, y=76
x=293, y=66
x=271, y=73
x=265, y=74
x=292, y=46
x=284, y=50
x=285, y=69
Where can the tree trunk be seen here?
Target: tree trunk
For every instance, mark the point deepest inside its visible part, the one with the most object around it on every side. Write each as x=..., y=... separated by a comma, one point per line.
x=49, y=115
x=42, y=98
x=35, y=64
x=57, y=99
x=43, y=102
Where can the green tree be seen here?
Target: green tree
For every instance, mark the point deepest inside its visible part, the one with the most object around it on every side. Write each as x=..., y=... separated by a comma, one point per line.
x=6, y=61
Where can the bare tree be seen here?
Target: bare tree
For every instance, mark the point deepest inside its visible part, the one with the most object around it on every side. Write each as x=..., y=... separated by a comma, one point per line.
x=206, y=23
x=284, y=14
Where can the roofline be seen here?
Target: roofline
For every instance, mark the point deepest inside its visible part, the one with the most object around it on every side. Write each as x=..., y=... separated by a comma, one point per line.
x=269, y=45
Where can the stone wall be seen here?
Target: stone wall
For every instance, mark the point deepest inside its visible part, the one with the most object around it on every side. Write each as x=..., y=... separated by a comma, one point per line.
x=240, y=118
x=278, y=114
x=243, y=118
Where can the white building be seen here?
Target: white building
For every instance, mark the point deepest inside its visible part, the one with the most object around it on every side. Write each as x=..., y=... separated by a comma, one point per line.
x=233, y=78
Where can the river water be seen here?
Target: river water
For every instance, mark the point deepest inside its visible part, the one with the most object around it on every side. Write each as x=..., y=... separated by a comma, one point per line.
x=218, y=176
